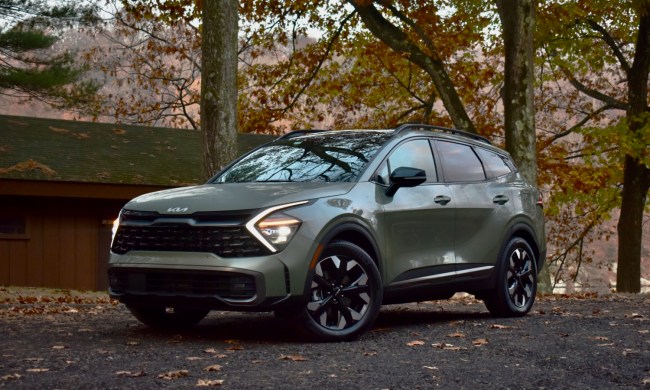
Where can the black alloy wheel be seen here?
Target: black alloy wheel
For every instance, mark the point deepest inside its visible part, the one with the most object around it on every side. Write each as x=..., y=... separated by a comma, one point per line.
x=516, y=287
x=345, y=293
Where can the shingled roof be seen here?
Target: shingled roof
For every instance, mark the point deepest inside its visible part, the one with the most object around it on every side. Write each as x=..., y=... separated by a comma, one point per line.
x=70, y=151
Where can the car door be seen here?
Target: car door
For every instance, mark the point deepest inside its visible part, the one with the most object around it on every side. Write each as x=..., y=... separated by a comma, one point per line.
x=418, y=222
x=483, y=207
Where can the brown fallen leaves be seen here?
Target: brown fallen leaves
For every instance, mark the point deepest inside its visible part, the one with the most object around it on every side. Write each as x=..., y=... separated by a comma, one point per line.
x=34, y=301
x=415, y=343
x=214, y=367
x=456, y=335
x=293, y=358
x=131, y=374
x=234, y=345
x=209, y=382
x=10, y=377
x=29, y=165
x=216, y=353
x=480, y=342
x=169, y=375
x=497, y=326
x=37, y=369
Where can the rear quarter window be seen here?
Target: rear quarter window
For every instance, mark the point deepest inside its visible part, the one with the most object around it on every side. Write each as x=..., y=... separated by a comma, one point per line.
x=496, y=164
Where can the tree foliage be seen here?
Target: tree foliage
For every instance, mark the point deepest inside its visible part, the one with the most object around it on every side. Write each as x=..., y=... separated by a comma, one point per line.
x=589, y=51
x=289, y=80
x=347, y=77
x=30, y=66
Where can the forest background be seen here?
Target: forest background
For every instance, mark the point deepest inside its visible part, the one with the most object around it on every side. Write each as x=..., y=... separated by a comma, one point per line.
x=316, y=65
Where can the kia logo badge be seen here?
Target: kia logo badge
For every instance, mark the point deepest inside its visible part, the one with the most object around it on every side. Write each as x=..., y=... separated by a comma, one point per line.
x=177, y=209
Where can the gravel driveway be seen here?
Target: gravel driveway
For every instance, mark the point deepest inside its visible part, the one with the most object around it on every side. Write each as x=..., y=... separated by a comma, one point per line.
x=80, y=342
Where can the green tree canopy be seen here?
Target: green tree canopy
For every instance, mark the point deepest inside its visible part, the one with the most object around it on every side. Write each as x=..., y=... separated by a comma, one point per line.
x=30, y=66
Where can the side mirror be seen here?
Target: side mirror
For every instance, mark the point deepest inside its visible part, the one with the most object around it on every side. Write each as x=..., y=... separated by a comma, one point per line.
x=405, y=177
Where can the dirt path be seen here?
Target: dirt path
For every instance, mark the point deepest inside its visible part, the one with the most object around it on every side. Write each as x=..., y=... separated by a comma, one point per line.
x=63, y=340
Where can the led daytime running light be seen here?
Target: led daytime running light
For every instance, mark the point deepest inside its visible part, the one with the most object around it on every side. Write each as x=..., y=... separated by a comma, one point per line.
x=278, y=222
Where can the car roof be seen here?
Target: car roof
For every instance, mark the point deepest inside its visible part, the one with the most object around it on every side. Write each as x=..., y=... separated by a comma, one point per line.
x=402, y=131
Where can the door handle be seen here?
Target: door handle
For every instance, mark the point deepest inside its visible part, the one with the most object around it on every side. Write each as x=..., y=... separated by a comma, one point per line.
x=441, y=199
x=500, y=199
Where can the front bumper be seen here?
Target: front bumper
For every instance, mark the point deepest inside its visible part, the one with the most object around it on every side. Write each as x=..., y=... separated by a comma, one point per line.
x=207, y=281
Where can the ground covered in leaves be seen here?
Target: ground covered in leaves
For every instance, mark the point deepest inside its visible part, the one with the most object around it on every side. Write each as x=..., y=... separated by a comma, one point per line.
x=61, y=339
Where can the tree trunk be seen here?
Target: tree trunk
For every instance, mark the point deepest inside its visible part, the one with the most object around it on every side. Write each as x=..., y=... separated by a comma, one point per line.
x=630, y=226
x=518, y=24
x=636, y=176
x=219, y=84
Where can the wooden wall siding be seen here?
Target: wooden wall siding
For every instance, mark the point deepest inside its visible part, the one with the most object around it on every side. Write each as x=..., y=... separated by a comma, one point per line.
x=61, y=248
x=13, y=261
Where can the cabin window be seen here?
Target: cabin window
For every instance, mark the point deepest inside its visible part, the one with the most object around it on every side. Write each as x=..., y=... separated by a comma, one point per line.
x=12, y=226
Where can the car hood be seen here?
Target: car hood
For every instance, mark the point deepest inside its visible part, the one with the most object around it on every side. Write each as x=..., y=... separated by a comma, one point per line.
x=233, y=196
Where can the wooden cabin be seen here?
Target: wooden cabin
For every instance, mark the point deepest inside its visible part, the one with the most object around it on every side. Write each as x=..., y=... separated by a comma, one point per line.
x=62, y=183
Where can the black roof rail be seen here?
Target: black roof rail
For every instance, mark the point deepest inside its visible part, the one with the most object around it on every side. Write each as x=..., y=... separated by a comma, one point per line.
x=423, y=126
x=297, y=133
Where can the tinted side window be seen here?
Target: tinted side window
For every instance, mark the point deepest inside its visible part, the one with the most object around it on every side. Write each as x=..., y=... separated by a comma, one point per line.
x=494, y=163
x=459, y=162
x=414, y=154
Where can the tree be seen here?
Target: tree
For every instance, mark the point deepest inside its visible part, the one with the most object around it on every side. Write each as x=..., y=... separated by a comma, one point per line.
x=219, y=84
x=601, y=51
x=29, y=67
x=636, y=171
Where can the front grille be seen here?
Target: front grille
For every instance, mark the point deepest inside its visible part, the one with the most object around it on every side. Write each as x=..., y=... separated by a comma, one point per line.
x=226, y=285
x=234, y=217
x=224, y=241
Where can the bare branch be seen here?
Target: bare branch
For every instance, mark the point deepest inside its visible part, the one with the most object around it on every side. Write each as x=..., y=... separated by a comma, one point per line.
x=578, y=125
x=608, y=100
x=311, y=77
x=611, y=42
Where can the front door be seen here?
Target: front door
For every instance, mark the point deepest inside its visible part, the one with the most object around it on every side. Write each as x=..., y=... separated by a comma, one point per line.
x=418, y=222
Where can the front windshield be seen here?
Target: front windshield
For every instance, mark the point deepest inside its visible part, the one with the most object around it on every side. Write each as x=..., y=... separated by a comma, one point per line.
x=331, y=157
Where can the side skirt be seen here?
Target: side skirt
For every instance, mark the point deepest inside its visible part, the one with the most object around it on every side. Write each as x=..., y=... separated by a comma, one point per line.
x=442, y=285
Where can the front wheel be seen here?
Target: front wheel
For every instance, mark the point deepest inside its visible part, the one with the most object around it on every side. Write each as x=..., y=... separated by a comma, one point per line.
x=516, y=281
x=345, y=294
x=167, y=318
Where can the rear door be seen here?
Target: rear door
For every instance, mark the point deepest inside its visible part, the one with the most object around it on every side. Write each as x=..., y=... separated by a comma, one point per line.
x=483, y=205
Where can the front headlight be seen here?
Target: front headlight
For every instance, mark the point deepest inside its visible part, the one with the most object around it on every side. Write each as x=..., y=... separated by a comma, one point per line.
x=116, y=225
x=275, y=229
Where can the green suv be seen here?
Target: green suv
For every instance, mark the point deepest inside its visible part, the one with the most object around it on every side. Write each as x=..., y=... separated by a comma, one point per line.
x=326, y=226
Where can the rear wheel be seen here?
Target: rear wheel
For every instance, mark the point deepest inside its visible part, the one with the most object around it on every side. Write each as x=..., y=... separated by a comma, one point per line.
x=516, y=283
x=167, y=318
x=345, y=294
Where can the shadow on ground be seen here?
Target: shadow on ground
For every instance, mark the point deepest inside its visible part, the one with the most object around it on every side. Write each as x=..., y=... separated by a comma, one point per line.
x=266, y=327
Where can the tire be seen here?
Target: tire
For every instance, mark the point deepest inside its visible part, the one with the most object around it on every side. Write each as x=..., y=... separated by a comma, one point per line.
x=345, y=294
x=162, y=318
x=516, y=281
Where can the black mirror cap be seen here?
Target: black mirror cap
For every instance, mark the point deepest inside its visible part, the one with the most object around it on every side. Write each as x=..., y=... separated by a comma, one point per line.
x=405, y=177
